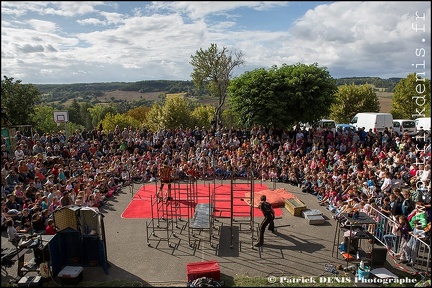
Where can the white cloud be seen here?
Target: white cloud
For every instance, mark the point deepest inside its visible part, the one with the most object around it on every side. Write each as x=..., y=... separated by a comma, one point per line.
x=369, y=36
x=43, y=26
x=110, y=43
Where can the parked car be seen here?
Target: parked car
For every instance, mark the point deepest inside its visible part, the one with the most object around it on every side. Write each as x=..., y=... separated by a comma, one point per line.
x=345, y=127
x=323, y=124
x=400, y=126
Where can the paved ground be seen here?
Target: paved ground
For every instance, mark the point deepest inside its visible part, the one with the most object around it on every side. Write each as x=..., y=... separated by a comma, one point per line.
x=298, y=249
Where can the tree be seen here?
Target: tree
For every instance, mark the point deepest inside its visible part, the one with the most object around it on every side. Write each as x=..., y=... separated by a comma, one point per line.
x=232, y=119
x=18, y=100
x=139, y=113
x=111, y=120
x=352, y=99
x=203, y=115
x=412, y=98
x=212, y=69
x=43, y=119
x=75, y=113
x=85, y=115
x=280, y=97
x=176, y=113
x=154, y=118
x=98, y=113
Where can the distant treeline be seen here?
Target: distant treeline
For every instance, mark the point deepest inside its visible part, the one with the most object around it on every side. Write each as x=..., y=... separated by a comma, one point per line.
x=385, y=85
x=89, y=91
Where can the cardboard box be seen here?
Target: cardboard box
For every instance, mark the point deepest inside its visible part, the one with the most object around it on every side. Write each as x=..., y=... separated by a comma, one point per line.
x=295, y=206
x=71, y=275
x=209, y=269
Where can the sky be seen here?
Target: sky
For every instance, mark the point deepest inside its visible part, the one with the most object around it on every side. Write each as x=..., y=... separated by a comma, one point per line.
x=64, y=42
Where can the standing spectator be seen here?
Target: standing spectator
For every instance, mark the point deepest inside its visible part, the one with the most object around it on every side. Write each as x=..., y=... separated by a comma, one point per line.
x=411, y=249
x=404, y=228
x=408, y=204
x=392, y=240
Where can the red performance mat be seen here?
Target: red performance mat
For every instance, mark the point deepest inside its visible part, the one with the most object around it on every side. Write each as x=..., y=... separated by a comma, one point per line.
x=140, y=207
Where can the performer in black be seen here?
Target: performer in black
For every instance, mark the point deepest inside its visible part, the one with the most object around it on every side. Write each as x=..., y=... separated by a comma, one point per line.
x=269, y=217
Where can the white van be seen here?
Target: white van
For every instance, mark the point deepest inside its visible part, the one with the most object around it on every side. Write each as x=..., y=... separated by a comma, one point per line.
x=424, y=122
x=401, y=126
x=376, y=122
x=323, y=124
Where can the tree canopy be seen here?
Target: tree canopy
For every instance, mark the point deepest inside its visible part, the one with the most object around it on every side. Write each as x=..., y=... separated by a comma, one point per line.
x=412, y=98
x=352, y=99
x=280, y=97
x=18, y=100
x=213, y=70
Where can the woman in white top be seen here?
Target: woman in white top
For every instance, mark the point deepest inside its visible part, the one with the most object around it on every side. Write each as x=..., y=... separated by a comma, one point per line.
x=19, y=153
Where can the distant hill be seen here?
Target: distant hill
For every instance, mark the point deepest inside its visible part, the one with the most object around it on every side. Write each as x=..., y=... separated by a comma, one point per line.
x=146, y=92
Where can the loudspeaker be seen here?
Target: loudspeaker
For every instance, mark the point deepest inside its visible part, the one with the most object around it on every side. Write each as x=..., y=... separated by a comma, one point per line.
x=379, y=255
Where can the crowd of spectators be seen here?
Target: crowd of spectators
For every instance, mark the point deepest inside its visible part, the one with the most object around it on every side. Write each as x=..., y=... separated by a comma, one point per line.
x=362, y=168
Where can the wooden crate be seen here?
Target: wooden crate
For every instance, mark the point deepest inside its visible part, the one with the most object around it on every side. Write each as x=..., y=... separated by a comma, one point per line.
x=295, y=206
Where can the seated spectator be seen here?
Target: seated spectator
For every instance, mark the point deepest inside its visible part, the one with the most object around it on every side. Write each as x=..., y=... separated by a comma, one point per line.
x=7, y=215
x=14, y=235
x=25, y=221
x=66, y=200
x=50, y=229
x=38, y=223
x=11, y=203
x=11, y=181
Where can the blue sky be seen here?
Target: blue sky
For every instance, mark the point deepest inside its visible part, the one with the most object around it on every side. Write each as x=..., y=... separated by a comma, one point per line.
x=89, y=42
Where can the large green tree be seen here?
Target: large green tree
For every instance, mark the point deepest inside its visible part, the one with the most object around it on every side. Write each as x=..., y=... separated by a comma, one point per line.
x=202, y=115
x=18, y=100
x=155, y=118
x=99, y=111
x=412, y=98
x=75, y=112
x=176, y=113
x=212, y=69
x=111, y=120
x=86, y=118
x=352, y=99
x=280, y=97
x=43, y=118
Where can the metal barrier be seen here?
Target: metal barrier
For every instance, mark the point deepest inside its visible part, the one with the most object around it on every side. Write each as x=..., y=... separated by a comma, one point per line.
x=416, y=249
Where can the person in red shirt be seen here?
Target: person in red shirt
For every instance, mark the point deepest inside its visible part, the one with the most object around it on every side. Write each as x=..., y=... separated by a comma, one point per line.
x=50, y=229
x=55, y=171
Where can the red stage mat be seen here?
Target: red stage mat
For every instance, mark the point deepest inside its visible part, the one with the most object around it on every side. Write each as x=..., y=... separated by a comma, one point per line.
x=140, y=206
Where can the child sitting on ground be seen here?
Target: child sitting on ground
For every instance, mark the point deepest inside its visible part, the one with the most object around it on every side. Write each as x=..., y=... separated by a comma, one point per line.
x=14, y=235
